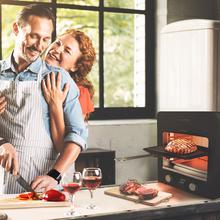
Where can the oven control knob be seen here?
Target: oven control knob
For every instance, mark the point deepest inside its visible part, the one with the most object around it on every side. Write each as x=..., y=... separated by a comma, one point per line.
x=168, y=178
x=193, y=187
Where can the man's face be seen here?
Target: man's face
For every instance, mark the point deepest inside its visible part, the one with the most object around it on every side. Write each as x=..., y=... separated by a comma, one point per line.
x=32, y=38
x=63, y=52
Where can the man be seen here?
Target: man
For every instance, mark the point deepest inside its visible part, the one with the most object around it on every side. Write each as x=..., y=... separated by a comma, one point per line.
x=26, y=146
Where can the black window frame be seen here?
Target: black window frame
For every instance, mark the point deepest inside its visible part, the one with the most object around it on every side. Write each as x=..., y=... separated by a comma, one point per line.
x=105, y=113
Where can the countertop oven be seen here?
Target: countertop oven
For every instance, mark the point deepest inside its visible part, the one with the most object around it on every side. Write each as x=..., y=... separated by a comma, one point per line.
x=198, y=172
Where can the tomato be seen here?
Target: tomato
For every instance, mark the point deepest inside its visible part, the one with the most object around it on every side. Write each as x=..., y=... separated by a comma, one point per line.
x=26, y=196
x=53, y=195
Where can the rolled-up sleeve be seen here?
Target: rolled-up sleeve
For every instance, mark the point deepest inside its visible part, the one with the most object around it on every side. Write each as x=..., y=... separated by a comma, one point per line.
x=76, y=130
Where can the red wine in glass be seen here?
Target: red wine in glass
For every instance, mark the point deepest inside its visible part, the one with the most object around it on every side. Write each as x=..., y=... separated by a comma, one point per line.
x=92, y=179
x=72, y=184
x=92, y=182
x=71, y=188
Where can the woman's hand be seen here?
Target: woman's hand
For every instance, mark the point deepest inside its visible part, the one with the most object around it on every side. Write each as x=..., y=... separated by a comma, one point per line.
x=53, y=93
x=3, y=104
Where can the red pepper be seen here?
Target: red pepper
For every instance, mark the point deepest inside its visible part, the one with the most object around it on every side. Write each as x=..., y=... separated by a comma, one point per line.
x=26, y=196
x=53, y=195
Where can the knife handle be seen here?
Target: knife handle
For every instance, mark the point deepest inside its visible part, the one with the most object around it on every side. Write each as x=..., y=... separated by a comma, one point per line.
x=12, y=169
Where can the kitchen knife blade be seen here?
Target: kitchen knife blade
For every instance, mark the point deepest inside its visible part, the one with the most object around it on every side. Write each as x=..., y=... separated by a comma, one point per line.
x=23, y=183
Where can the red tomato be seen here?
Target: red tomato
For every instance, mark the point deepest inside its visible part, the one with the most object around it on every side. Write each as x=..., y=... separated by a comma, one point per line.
x=53, y=195
x=26, y=196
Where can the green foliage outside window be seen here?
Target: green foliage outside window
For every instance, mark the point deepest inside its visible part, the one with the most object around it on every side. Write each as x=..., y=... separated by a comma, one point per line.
x=86, y=21
x=9, y=16
x=119, y=3
x=80, y=2
x=118, y=59
x=118, y=45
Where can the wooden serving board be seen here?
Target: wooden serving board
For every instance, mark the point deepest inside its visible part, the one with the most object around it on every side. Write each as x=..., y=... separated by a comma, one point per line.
x=15, y=203
x=161, y=197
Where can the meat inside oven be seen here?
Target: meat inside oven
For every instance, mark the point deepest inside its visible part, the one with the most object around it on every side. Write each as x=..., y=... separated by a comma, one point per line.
x=196, y=167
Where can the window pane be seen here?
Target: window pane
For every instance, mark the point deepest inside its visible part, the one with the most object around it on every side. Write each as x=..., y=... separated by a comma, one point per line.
x=131, y=4
x=124, y=60
x=80, y=2
x=8, y=17
x=86, y=21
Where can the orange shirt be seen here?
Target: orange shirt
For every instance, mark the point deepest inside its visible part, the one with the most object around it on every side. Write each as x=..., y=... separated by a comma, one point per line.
x=85, y=100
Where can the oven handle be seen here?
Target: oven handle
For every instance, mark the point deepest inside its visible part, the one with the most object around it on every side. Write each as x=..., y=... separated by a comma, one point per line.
x=122, y=159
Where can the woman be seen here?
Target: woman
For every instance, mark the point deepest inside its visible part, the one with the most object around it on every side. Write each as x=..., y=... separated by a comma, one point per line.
x=73, y=51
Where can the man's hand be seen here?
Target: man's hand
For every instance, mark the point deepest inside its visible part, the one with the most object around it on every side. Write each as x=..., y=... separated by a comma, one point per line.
x=9, y=158
x=3, y=104
x=43, y=183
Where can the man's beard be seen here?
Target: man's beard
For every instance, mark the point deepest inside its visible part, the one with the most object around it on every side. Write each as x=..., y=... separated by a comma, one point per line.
x=28, y=58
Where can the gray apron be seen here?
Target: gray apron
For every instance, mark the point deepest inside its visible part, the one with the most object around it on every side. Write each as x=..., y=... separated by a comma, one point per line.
x=22, y=125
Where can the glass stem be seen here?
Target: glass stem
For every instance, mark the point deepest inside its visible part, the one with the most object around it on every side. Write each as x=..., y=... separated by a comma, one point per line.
x=72, y=198
x=91, y=194
x=91, y=206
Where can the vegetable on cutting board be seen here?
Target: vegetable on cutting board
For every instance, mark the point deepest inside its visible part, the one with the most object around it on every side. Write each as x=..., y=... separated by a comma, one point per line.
x=50, y=195
x=53, y=195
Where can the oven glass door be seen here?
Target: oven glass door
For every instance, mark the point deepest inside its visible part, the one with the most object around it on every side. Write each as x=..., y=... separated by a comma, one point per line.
x=196, y=168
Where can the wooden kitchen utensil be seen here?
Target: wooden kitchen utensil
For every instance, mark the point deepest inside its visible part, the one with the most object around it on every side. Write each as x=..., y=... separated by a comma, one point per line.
x=161, y=197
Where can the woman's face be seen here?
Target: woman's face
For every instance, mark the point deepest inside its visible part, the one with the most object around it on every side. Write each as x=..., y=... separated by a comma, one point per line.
x=63, y=52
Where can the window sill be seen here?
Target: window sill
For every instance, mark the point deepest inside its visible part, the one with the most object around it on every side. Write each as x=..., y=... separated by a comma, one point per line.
x=122, y=122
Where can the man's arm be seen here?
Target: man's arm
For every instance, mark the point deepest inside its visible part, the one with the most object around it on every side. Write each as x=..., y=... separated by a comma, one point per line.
x=8, y=154
x=66, y=158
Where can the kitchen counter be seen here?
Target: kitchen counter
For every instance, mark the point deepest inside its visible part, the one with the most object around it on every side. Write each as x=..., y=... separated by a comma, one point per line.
x=182, y=205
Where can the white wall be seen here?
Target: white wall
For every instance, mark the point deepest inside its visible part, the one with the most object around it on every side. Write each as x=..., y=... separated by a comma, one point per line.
x=168, y=11
x=127, y=138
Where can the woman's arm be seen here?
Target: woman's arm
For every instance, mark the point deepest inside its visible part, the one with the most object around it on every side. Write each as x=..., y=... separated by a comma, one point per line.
x=55, y=97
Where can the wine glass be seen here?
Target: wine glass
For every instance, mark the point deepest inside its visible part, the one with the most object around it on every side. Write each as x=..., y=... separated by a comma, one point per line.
x=92, y=179
x=72, y=185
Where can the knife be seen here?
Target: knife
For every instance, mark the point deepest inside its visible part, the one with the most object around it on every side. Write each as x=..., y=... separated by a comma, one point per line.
x=23, y=183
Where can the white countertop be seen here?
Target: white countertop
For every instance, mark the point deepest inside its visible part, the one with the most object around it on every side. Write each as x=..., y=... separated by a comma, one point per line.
x=106, y=205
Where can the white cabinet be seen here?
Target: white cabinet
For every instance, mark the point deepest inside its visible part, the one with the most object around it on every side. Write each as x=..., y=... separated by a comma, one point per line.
x=189, y=74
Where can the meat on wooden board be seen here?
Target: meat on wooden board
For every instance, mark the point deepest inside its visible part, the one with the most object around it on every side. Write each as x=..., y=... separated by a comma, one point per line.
x=133, y=187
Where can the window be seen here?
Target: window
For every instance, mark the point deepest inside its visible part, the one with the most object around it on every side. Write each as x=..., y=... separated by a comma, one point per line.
x=123, y=35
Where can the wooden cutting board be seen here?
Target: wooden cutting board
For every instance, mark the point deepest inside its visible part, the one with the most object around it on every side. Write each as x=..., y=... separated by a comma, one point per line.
x=161, y=197
x=15, y=203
